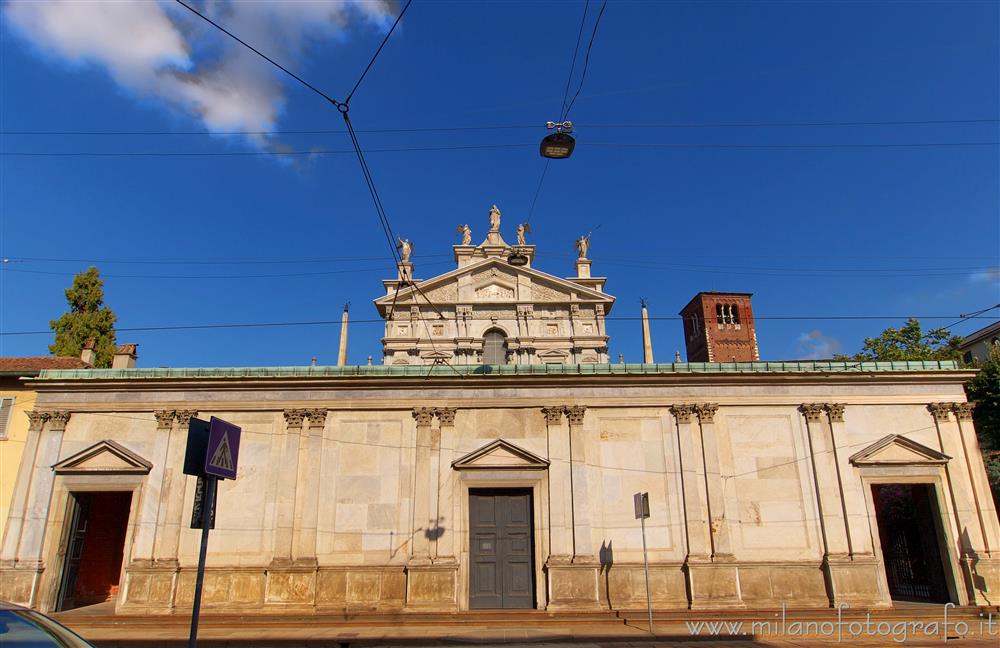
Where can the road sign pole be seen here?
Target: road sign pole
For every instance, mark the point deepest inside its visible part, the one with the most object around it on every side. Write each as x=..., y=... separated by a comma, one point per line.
x=645, y=565
x=206, y=524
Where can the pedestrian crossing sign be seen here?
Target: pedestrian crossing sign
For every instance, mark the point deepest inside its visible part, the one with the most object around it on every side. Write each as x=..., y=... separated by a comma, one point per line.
x=223, y=449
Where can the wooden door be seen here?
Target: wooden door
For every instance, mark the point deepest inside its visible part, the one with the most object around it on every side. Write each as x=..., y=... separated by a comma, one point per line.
x=77, y=516
x=502, y=566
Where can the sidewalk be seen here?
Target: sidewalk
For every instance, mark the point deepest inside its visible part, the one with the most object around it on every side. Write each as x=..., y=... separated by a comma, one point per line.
x=909, y=625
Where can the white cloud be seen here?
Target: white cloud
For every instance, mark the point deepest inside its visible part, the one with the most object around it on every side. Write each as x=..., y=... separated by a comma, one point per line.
x=991, y=275
x=816, y=346
x=159, y=49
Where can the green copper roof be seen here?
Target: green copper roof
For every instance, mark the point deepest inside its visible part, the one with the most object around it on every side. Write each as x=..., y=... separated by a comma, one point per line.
x=501, y=370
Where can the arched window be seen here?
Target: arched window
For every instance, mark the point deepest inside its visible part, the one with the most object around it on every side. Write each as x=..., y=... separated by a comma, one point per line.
x=494, y=348
x=720, y=318
x=735, y=313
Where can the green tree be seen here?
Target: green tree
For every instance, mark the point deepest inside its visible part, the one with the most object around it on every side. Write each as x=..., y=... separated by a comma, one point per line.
x=88, y=317
x=910, y=342
x=984, y=391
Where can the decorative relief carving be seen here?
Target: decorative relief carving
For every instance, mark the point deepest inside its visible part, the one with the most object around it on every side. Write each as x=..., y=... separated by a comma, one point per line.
x=940, y=411
x=575, y=414
x=164, y=418
x=682, y=412
x=836, y=411
x=544, y=293
x=553, y=415
x=813, y=411
x=294, y=417
x=316, y=416
x=963, y=411
x=493, y=273
x=423, y=415
x=184, y=417
x=706, y=412
x=446, y=415
x=58, y=420
x=445, y=294
x=495, y=291
x=36, y=420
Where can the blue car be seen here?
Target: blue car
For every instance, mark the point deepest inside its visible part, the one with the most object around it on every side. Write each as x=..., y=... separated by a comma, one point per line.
x=25, y=628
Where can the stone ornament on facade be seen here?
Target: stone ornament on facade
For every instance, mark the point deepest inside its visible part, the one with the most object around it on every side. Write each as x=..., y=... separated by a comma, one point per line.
x=706, y=412
x=446, y=415
x=553, y=415
x=184, y=417
x=575, y=414
x=682, y=412
x=963, y=411
x=423, y=415
x=36, y=420
x=316, y=416
x=58, y=420
x=836, y=412
x=813, y=411
x=294, y=417
x=164, y=419
x=940, y=411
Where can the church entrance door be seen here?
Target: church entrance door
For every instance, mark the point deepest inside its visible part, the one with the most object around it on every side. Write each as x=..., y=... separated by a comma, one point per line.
x=502, y=572
x=908, y=529
x=95, y=545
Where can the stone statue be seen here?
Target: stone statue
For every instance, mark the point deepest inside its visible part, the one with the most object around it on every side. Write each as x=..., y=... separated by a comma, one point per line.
x=522, y=229
x=405, y=249
x=466, y=233
x=494, y=219
x=583, y=245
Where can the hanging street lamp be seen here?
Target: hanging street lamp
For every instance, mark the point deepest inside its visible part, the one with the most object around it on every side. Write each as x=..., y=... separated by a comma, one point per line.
x=560, y=144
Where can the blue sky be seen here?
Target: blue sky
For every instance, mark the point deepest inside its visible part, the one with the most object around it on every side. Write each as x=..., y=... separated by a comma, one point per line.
x=812, y=232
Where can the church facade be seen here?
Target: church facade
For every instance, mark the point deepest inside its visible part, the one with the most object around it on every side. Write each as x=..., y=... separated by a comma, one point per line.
x=491, y=462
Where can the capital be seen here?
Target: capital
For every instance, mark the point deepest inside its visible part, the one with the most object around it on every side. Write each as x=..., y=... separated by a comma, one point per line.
x=316, y=416
x=706, y=412
x=553, y=415
x=940, y=411
x=184, y=417
x=36, y=419
x=58, y=420
x=682, y=412
x=423, y=415
x=575, y=414
x=164, y=419
x=836, y=412
x=294, y=417
x=963, y=411
x=813, y=411
x=446, y=415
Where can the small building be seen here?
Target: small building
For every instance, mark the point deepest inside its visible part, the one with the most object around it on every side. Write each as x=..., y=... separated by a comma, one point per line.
x=976, y=346
x=492, y=463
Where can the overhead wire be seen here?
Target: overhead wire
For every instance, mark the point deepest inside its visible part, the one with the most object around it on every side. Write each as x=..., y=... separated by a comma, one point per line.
x=377, y=52
x=665, y=318
x=586, y=59
x=572, y=67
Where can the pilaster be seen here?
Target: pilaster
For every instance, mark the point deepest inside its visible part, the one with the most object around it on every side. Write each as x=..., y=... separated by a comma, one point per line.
x=963, y=500
x=981, y=491
x=583, y=543
x=22, y=489
x=693, y=480
x=560, y=487
x=149, y=507
x=445, y=530
x=307, y=488
x=421, y=545
x=170, y=518
x=721, y=540
x=287, y=482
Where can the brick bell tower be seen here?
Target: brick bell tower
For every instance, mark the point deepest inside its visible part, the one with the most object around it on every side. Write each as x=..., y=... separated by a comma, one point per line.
x=719, y=327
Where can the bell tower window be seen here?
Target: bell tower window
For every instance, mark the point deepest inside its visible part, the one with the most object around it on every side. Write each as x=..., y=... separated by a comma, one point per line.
x=494, y=348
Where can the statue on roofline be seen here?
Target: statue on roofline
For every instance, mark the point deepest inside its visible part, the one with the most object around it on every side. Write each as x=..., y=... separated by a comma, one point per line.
x=522, y=229
x=494, y=219
x=466, y=233
x=405, y=248
x=583, y=245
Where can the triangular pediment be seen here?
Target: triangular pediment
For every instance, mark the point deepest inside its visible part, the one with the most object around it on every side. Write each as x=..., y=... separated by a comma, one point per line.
x=500, y=455
x=494, y=280
x=106, y=457
x=896, y=450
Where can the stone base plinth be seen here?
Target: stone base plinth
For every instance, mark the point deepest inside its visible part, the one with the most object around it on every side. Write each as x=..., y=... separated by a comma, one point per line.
x=572, y=585
x=713, y=585
x=770, y=584
x=623, y=586
x=19, y=583
x=855, y=581
x=361, y=588
x=983, y=574
x=148, y=589
x=433, y=587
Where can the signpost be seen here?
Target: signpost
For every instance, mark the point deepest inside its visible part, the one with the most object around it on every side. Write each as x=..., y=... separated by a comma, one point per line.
x=213, y=451
x=641, y=501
